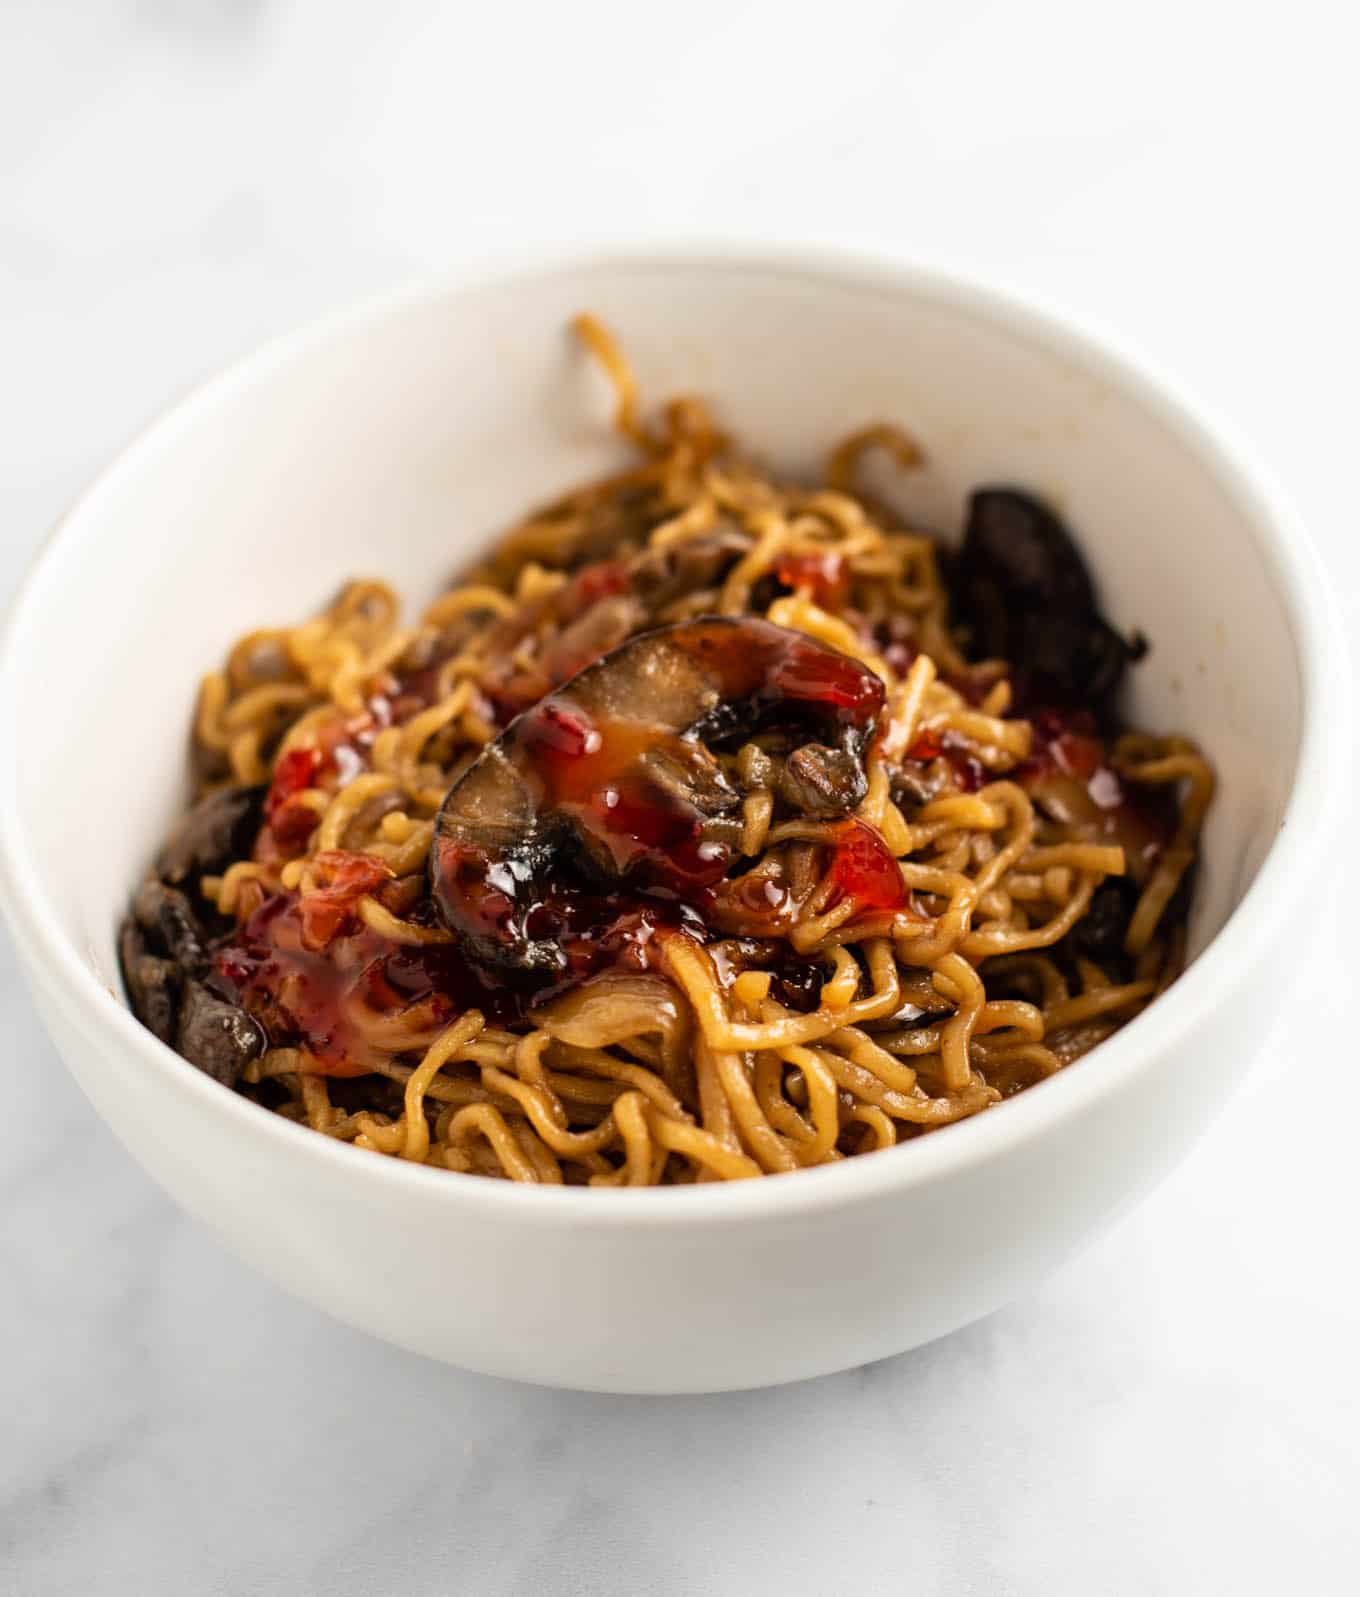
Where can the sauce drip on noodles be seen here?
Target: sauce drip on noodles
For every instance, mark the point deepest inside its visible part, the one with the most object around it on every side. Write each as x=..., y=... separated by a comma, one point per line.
x=849, y=938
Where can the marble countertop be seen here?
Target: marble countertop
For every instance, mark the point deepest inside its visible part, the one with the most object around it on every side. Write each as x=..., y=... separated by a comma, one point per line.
x=1179, y=1410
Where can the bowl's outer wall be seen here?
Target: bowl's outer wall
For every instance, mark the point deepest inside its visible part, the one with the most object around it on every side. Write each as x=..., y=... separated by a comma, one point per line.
x=395, y=446
x=624, y=1309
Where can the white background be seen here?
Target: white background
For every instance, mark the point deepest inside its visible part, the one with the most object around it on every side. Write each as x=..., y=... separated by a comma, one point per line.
x=1179, y=1410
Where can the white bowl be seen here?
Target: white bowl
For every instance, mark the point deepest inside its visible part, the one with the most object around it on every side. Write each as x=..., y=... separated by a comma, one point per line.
x=394, y=441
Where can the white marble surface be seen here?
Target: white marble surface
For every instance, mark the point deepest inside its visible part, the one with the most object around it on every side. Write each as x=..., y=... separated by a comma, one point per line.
x=1178, y=1411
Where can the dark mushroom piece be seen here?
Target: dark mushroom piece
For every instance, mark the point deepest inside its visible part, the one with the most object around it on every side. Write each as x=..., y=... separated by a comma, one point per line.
x=152, y=982
x=167, y=915
x=164, y=960
x=915, y=785
x=612, y=780
x=813, y=781
x=1023, y=589
x=1099, y=934
x=216, y=1035
x=604, y=626
x=217, y=830
x=661, y=576
x=604, y=604
x=820, y=782
x=920, y=1003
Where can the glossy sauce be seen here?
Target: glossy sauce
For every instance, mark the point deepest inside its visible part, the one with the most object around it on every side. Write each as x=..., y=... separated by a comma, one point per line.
x=340, y=749
x=635, y=869
x=824, y=573
x=589, y=771
x=306, y=967
x=606, y=838
x=862, y=867
x=512, y=690
x=966, y=769
x=1068, y=774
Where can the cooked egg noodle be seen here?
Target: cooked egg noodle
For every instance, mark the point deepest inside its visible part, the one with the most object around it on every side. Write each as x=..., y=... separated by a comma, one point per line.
x=707, y=1068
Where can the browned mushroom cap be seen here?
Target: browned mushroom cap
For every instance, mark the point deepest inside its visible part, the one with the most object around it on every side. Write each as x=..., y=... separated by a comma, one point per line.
x=161, y=949
x=612, y=778
x=216, y=1035
x=820, y=782
x=152, y=982
x=219, y=829
x=1022, y=587
x=661, y=576
x=604, y=626
x=603, y=604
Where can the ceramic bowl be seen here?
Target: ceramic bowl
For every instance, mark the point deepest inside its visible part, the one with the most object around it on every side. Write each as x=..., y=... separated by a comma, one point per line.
x=395, y=440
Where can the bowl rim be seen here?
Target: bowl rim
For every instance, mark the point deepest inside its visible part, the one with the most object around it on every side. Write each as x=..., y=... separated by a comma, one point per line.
x=1287, y=870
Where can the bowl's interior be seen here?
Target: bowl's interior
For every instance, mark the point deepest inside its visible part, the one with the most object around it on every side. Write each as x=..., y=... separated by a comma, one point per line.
x=396, y=443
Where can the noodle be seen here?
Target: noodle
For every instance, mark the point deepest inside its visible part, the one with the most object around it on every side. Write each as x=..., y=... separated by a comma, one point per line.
x=1030, y=888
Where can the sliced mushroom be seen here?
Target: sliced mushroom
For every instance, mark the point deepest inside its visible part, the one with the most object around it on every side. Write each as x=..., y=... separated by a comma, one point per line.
x=219, y=829
x=604, y=626
x=818, y=781
x=1099, y=934
x=164, y=959
x=914, y=785
x=168, y=916
x=1021, y=586
x=661, y=576
x=217, y=1036
x=811, y=779
x=152, y=983
x=617, y=768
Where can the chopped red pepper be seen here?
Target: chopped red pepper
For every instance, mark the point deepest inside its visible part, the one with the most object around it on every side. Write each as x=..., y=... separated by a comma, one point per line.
x=288, y=822
x=1068, y=743
x=330, y=909
x=307, y=995
x=598, y=581
x=295, y=771
x=823, y=572
x=967, y=769
x=863, y=868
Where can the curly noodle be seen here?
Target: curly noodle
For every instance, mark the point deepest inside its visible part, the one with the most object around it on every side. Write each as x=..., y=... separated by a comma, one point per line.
x=714, y=1063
